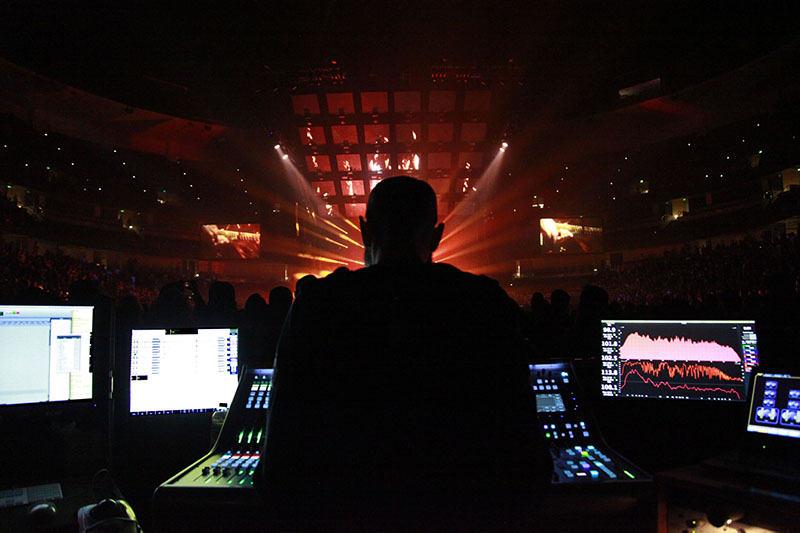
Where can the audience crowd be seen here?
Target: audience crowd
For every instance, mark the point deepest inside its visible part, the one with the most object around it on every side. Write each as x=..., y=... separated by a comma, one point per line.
x=749, y=278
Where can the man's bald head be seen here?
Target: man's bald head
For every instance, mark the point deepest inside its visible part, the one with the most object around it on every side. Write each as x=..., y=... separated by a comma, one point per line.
x=401, y=222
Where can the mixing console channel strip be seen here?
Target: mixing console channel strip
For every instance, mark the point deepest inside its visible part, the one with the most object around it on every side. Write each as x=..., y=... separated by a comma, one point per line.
x=579, y=452
x=223, y=474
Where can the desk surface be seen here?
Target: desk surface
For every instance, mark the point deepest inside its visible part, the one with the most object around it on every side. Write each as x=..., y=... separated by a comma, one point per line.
x=770, y=503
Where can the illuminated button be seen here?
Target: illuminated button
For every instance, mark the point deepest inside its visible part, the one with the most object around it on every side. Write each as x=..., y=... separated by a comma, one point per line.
x=585, y=433
x=605, y=469
x=568, y=425
x=594, y=473
x=569, y=474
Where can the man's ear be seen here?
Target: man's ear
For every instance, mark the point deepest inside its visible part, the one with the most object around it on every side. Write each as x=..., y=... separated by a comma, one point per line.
x=436, y=237
x=366, y=238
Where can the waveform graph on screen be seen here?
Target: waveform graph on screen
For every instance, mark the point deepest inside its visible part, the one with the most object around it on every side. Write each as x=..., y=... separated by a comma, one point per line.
x=675, y=365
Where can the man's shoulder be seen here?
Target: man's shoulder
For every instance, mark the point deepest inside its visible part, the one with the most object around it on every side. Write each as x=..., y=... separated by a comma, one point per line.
x=439, y=282
x=433, y=272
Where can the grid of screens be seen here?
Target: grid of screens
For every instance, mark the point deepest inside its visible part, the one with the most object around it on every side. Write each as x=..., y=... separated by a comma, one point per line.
x=46, y=354
x=688, y=359
x=775, y=405
x=190, y=370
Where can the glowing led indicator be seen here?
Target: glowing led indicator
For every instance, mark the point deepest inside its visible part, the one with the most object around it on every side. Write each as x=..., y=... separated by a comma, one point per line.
x=629, y=474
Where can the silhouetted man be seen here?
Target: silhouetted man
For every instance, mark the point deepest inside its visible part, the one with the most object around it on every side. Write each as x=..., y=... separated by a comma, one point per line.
x=401, y=389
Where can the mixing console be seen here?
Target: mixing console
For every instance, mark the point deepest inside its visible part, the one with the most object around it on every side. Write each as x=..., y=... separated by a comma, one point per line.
x=217, y=491
x=232, y=462
x=579, y=452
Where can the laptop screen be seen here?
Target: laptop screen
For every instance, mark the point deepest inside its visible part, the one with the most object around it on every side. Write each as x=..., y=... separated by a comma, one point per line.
x=45, y=353
x=678, y=359
x=188, y=370
x=775, y=405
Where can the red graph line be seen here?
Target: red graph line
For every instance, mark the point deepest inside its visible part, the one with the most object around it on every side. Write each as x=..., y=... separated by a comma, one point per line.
x=676, y=387
x=675, y=348
x=696, y=371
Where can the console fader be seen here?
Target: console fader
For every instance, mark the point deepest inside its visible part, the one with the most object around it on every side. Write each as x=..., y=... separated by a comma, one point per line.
x=579, y=452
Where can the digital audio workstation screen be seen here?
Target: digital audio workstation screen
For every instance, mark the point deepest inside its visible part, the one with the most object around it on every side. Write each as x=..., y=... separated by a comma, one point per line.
x=688, y=359
x=189, y=370
x=775, y=405
x=45, y=353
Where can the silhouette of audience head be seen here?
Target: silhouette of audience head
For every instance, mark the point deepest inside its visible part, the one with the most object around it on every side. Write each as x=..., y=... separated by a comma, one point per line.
x=559, y=299
x=539, y=305
x=593, y=303
x=255, y=306
x=280, y=299
x=171, y=304
x=222, y=297
x=400, y=228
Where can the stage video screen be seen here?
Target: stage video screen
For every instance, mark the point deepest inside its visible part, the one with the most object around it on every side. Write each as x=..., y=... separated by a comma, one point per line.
x=689, y=359
x=571, y=235
x=231, y=241
x=45, y=353
x=775, y=405
x=188, y=370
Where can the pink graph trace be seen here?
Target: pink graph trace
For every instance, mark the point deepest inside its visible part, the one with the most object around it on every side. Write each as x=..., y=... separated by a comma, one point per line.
x=646, y=348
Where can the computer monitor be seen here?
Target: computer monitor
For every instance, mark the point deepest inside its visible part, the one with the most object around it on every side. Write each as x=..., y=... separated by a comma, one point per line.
x=678, y=359
x=187, y=370
x=45, y=353
x=775, y=405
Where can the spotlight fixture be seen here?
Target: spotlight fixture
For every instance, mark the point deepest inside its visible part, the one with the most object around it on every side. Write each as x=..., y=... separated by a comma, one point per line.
x=277, y=146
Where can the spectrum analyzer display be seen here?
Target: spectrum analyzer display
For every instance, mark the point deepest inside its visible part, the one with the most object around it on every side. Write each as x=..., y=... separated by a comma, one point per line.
x=683, y=359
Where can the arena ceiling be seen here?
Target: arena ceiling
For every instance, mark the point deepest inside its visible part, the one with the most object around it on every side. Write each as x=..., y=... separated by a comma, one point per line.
x=232, y=62
x=216, y=70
